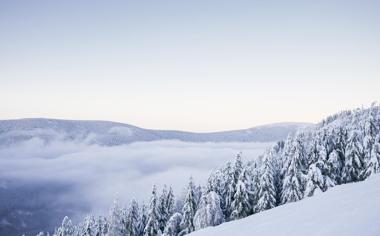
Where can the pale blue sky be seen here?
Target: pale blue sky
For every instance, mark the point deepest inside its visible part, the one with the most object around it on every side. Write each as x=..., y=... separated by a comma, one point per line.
x=190, y=65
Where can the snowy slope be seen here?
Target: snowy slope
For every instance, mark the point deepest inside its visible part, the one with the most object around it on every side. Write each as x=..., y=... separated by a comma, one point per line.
x=112, y=133
x=346, y=210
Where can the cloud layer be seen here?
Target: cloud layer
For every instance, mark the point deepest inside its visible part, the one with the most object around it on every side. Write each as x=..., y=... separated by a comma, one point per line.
x=96, y=175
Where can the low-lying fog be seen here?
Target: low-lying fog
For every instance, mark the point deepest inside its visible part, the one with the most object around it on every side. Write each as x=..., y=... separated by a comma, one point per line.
x=76, y=179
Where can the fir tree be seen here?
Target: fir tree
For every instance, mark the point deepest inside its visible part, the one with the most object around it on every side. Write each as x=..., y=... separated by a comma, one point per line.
x=209, y=212
x=116, y=221
x=163, y=214
x=66, y=229
x=241, y=206
x=173, y=226
x=188, y=211
x=132, y=221
x=267, y=190
x=152, y=227
x=354, y=159
x=315, y=179
x=227, y=192
x=88, y=228
x=293, y=185
x=371, y=163
x=143, y=219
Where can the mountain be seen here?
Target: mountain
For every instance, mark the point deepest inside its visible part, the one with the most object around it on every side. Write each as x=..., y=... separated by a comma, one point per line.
x=112, y=133
x=350, y=209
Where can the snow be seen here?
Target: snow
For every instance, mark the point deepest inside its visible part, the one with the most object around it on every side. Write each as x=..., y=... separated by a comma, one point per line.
x=349, y=210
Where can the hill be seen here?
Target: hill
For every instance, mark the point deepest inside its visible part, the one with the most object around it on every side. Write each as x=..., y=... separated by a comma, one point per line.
x=350, y=209
x=111, y=133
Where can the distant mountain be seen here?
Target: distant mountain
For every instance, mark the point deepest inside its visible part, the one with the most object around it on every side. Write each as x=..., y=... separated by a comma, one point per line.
x=112, y=133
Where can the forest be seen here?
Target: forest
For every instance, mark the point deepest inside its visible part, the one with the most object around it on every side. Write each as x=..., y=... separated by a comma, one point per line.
x=343, y=148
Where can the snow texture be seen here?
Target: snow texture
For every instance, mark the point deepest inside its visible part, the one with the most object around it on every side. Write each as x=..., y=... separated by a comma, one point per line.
x=349, y=210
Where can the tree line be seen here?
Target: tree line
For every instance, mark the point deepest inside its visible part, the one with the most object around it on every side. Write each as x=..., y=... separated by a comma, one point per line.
x=341, y=149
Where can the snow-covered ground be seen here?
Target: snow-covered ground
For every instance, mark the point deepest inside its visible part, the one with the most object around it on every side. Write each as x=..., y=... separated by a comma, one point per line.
x=346, y=210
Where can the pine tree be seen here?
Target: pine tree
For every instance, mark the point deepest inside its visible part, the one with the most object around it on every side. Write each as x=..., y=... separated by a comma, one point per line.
x=267, y=190
x=188, y=211
x=293, y=185
x=173, y=226
x=88, y=227
x=253, y=183
x=209, y=212
x=354, y=159
x=371, y=163
x=214, y=182
x=66, y=229
x=170, y=203
x=116, y=220
x=227, y=192
x=315, y=180
x=101, y=226
x=132, y=221
x=163, y=214
x=152, y=227
x=277, y=164
x=231, y=173
x=143, y=219
x=340, y=145
x=241, y=206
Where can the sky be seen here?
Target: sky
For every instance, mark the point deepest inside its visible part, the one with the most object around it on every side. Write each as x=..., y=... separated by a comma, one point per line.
x=188, y=65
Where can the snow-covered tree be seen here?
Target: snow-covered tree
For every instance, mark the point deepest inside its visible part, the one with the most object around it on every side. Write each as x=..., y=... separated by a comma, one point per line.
x=354, y=159
x=88, y=228
x=143, y=219
x=116, y=220
x=132, y=221
x=231, y=176
x=163, y=214
x=173, y=226
x=152, y=226
x=189, y=209
x=209, y=212
x=267, y=198
x=214, y=182
x=252, y=182
x=314, y=180
x=294, y=179
x=371, y=130
x=227, y=191
x=241, y=206
x=66, y=229
x=170, y=202
x=101, y=226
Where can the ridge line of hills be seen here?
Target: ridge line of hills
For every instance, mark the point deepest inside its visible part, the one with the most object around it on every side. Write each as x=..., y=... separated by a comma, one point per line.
x=110, y=133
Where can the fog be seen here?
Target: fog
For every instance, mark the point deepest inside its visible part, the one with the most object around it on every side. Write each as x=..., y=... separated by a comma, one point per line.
x=93, y=176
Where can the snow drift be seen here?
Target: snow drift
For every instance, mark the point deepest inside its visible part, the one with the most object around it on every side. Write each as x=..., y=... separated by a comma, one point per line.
x=349, y=210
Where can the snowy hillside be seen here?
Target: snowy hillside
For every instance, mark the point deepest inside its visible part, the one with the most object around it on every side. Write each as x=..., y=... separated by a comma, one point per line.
x=112, y=133
x=350, y=209
x=341, y=150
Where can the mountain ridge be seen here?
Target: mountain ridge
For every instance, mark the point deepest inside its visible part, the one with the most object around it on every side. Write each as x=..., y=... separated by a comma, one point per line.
x=111, y=133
